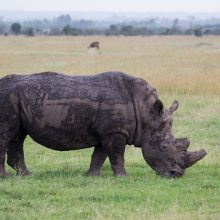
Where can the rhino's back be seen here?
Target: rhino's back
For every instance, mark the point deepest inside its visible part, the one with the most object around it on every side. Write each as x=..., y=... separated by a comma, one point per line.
x=110, y=87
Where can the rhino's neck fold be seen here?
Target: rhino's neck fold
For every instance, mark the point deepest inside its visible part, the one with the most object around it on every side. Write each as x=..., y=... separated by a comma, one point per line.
x=138, y=133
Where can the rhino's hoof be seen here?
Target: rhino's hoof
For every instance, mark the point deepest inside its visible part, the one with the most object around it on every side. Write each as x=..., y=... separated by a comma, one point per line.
x=121, y=174
x=23, y=173
x=93, y=173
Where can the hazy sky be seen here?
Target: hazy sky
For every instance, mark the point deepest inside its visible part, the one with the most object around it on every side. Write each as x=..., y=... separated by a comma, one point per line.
x=113, y=5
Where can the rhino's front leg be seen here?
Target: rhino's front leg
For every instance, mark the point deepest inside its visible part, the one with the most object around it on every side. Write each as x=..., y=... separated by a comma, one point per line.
x=115, y=147
x=98, y=158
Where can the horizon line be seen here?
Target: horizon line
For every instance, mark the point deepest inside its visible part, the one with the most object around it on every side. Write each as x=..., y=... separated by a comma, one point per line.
x=106, y=11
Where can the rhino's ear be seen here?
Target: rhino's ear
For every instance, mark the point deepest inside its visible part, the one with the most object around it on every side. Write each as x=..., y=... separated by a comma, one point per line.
x=157, y=107
x=174, y=106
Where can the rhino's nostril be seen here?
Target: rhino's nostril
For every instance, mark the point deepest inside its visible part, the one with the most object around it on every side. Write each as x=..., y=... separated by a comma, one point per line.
x=173, y=173
x=177, y=172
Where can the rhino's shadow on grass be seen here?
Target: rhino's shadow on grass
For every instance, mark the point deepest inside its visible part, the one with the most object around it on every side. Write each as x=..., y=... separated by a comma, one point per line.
x=69, y=172
x=63, y=173
x=140, y=171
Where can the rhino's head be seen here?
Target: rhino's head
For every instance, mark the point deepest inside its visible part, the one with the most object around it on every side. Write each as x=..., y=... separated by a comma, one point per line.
x=165, y=154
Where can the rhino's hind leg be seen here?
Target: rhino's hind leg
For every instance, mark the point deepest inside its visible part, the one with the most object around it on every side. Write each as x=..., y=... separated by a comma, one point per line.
x=115, y=148
x=5, y=137
x=2, y=161
x=15, y=155
x=98, y=158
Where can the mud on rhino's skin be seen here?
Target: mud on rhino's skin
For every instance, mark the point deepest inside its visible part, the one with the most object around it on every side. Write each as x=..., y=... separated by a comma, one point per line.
x=105, y=111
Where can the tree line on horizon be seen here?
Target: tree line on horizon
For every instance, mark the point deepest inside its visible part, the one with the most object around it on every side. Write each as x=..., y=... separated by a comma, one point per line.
x=64, y=25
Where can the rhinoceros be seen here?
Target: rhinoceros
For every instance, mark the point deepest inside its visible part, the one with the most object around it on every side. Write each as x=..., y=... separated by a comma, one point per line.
x=106, y=111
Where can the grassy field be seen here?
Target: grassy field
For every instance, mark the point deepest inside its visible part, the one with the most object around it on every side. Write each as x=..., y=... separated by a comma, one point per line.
x=182, y=68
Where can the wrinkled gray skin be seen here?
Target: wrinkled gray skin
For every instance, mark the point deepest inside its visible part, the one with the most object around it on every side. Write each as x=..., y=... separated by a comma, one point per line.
x=106, y=111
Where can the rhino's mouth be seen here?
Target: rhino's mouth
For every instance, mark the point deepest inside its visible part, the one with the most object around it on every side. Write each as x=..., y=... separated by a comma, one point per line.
x=172, y=173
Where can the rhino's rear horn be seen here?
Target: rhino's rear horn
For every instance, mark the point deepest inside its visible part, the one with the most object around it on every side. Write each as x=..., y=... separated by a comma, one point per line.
x=192, y=157
x=181, y=144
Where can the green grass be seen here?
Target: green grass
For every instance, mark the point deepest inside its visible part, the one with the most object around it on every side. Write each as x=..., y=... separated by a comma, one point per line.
x=58, y=188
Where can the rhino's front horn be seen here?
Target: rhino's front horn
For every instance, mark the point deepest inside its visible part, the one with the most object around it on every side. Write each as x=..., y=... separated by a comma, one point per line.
x=192, y=157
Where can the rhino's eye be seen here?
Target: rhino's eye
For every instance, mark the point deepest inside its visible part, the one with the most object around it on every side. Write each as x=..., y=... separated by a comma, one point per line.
x=162, y=148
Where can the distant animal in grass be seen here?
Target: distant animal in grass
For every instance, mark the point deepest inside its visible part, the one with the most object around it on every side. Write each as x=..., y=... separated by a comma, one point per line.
x=94, y=44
